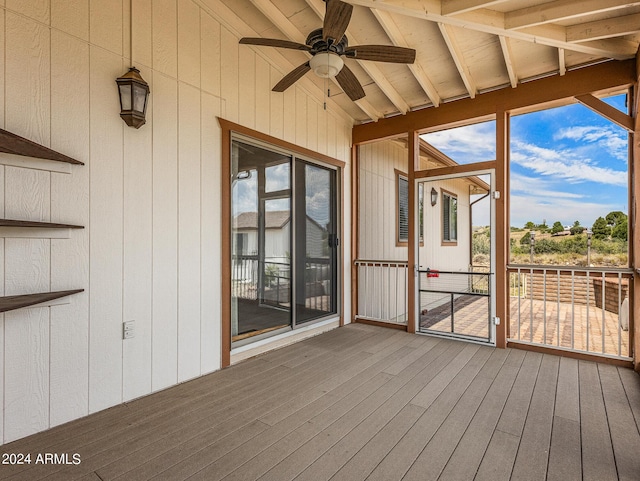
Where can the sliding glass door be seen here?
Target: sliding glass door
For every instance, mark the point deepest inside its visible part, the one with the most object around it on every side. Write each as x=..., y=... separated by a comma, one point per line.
x=284, y=241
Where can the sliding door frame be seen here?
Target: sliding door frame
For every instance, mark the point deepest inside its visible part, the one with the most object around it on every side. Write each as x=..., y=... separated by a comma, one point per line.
x=227, y=130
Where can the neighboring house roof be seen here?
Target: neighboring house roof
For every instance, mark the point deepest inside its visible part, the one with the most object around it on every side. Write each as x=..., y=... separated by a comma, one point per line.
x=275, y=219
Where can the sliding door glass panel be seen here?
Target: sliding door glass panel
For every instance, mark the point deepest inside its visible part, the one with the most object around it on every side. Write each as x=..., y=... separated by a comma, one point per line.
x=315, y=241
x=260, y=241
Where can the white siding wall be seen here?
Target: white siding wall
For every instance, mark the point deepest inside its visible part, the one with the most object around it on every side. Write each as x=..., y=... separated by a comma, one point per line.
x=377, y=200
x=380, y=288
x=434, y=254
x=148, y=198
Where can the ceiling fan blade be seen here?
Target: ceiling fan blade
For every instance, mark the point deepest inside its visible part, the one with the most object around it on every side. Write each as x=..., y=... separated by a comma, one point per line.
x=274, y=42
x=336, y=20
x=383, y=53
x=289, y=79
x=350, y=84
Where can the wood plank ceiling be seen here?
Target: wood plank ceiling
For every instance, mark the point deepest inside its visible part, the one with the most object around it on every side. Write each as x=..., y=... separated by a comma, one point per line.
x=464, y=47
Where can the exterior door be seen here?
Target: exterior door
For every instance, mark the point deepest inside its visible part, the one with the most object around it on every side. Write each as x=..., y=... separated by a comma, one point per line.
x=284, y=243
x=455, y=279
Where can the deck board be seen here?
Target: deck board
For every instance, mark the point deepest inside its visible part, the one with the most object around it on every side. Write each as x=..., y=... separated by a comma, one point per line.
x=364, y=402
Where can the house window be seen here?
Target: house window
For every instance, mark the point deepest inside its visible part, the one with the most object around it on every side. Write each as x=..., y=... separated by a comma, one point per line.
x=402, y=201
x=242, y=244
x=449, y=217
x=402, y=214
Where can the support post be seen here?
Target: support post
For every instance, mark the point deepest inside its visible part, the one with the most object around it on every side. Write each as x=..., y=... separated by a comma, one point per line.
x=502, y=226
x=355, y=229
x=634, y=232
x=412, y=257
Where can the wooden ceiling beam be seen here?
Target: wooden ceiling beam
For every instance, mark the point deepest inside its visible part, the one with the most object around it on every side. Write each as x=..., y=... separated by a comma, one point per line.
x=505, y=44
x=607, y=111
x=397, y=38
x=458, y=58
x=608, y=28
x=292, y=33
x=562, y=64
x=558, y=10
x=454, y=7
x=240, y=28
x=370, y=68
x=488, y=21
x=600, y=77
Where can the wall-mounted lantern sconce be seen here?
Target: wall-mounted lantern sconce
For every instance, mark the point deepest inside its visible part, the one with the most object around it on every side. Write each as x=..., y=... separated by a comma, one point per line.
x=434, y=196
x=134, y=92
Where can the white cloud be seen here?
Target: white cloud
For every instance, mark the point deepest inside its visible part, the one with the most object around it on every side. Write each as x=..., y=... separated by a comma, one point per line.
x=538, y=187
x=564, y=164
x=471, y=143
x=612, y=139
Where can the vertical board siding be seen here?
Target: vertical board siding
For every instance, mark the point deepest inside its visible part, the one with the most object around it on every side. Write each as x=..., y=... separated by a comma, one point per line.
x=26, y=266
x=69, y=351
x=149, y=198
x=247, y=85
x=165, y=37
x=189, y=42
x=2, y=335
x=38, y=10
x=26, y=383
x=262, y=96
x=106, y=25
x=209, y=54
x=378, y=216
x=289, y=112
x=210, y=235
x=29, y=191
x=137, y=270
x=27, y=78
x=165, y=233
x=105, y=230
x=142, y=28
x=71, y=17
x=188, y=232
x=229, y=75
x=2, y=77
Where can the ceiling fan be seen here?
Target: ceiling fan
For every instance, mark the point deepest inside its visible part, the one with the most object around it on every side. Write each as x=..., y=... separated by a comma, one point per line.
x=328, y=45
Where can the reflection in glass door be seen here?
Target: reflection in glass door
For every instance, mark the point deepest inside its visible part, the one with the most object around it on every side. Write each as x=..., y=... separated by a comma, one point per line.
x=283, y=242
x=260, y=241
x=316, y=242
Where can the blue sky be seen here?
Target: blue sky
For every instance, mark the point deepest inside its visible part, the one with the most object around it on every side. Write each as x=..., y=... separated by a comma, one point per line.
x=567, y=163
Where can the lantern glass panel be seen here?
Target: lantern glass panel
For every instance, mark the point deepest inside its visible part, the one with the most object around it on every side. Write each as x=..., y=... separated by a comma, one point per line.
x=125, y=96
x=139, y=98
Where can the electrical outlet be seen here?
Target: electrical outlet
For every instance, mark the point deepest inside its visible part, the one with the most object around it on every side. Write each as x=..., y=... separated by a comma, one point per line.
x=128, y=330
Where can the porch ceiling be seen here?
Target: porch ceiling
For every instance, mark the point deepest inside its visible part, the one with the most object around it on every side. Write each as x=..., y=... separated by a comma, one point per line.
x=464, y=47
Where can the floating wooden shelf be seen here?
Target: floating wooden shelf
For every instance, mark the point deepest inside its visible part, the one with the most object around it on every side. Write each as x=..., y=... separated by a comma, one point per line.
x=14, y=144
x=10, y=303
x=28, y=223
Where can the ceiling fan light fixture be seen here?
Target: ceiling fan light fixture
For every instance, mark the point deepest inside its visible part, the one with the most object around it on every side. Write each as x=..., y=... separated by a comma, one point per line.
x=326, y=64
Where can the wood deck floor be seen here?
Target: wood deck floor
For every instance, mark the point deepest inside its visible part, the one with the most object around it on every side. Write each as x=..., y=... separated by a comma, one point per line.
x=364, y=402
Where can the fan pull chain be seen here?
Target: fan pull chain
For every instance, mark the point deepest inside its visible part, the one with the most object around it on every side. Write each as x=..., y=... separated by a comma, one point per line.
x=326, y=84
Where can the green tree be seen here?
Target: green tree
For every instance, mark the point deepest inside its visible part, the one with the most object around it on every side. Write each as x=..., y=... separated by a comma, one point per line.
x=530, y=225
x=620, y=231
x=577, y=228
x=525, y=240
x=600, y=229
x=615, y=217
x=557, y=227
